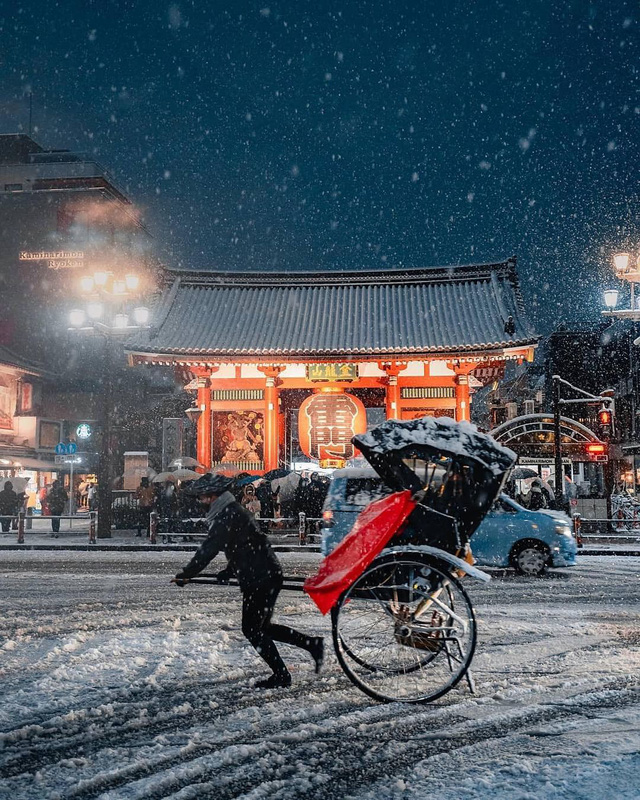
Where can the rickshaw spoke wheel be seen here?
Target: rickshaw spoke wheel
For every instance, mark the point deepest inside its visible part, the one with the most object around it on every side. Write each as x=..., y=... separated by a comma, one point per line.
x=405, y=630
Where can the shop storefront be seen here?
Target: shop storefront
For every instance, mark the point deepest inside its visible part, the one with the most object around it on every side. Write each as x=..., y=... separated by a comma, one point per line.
x=286, y=367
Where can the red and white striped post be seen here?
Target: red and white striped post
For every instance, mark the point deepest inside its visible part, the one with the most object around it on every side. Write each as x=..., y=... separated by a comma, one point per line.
x=302, y=528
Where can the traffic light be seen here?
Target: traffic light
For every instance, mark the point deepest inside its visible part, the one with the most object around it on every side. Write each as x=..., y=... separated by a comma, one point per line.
x=605, y=420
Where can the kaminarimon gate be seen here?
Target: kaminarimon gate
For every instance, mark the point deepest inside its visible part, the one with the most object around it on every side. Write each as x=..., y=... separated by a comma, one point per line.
x=286, y=364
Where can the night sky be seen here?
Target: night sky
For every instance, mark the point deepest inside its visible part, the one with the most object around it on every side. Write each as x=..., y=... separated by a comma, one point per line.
x=352, y=134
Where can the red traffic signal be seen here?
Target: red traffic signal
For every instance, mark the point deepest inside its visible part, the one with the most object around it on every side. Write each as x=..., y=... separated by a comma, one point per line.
x=604, y=416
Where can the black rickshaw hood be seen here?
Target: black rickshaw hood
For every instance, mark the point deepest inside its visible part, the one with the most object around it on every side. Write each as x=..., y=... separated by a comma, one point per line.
x=384, y=446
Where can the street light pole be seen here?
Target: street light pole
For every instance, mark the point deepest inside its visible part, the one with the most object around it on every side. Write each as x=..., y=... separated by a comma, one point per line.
x=104, y=458
x=118, y=291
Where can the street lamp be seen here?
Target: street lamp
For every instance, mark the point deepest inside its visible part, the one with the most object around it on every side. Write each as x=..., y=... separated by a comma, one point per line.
x=611, y=298
x=110, y=302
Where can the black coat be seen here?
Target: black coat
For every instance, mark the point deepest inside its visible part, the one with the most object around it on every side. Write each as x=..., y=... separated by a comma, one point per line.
x=9, y=502
x=235, y=532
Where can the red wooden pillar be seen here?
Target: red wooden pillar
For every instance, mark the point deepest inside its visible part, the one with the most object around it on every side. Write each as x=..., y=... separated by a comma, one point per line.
x=392, y=399
x=463, y=398
x=204, y=422
x=271, y=418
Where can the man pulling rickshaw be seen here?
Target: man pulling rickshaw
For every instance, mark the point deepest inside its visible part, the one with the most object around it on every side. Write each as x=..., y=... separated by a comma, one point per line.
x=403, y=625
x=252, y=561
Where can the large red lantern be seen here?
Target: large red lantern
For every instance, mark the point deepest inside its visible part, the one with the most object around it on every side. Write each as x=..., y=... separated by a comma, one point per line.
x=327, y=421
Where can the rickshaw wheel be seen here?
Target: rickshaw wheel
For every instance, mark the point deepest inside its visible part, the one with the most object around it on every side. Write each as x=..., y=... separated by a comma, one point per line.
x=405, y=630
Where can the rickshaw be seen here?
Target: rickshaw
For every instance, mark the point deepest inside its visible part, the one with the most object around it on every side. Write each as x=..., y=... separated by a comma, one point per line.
x=403, y=625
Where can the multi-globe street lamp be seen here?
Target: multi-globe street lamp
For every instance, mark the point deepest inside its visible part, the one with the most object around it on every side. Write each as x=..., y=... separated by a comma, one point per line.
x=626, y=268
x=111, y=309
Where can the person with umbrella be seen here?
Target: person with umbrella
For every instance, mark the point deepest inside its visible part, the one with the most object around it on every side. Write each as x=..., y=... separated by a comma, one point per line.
x=252, y=560
x=9, y=504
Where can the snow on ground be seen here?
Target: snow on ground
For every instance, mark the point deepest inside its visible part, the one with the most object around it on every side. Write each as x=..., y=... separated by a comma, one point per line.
x=115, y=684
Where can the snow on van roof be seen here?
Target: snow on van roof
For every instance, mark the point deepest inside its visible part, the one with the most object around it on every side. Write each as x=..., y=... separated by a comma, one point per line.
x=442, y=434
x=355, y=472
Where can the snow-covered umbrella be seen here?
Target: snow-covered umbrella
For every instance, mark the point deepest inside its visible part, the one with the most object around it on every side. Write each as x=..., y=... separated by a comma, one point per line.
x=185, y=474
x=523, y=473
x=163, y=477
x=186, y=461
x=17, y=483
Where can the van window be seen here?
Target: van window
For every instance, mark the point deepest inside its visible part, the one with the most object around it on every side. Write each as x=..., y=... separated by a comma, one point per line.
x=362, y=491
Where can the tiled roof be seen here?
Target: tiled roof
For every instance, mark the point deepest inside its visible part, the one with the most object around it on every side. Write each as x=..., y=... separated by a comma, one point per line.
x=11, y=359
x=438, y=310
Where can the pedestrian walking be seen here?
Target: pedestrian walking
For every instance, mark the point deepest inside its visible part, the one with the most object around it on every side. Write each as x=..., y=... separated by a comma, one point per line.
x=251, y=559
x=56, y=500
x=9, y=504
x=144, y=495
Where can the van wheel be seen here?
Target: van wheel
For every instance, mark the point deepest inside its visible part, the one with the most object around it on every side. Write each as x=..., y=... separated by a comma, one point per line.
x=530, y=558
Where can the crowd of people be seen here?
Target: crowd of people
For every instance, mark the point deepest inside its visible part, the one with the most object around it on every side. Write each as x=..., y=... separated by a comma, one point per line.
x=264, y=499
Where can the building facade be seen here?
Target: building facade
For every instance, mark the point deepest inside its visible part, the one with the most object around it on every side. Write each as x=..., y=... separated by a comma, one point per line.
x=287, y=366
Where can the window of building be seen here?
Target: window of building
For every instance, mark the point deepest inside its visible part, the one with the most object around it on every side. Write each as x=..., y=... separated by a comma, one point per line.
x=13, y=187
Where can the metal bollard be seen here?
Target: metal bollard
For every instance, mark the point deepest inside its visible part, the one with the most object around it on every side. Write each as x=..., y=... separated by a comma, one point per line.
x=29, y=518
x=92, y=527
x=21, y=527
x=153, y=527
x=302, y=528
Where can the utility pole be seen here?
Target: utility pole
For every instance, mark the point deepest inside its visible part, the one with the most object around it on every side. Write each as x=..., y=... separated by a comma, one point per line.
x=606, y=400
x=557, y=443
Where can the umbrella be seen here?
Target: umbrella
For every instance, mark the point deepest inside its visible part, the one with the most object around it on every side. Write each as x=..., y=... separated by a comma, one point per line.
x=276, y=473
x=227, y=468
x=248, y=479
x=185, y=474
x=18, y=484
x=187, y=461
x=522, y=473
x=161, y=477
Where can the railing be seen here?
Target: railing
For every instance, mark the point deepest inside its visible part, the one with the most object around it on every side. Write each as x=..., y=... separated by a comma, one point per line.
x=302, y=527
x=614, y=529
x=91, y=518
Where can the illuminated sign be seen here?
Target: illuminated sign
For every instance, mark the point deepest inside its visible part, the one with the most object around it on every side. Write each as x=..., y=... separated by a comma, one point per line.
x=332, y=372
x=83, y=431
x=327, y=421
x=56, y=259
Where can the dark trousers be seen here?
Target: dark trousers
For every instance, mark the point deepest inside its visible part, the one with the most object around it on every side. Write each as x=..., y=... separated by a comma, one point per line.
x=257, y=610
x=55, y=524
x=6, y=524
x=144, y=518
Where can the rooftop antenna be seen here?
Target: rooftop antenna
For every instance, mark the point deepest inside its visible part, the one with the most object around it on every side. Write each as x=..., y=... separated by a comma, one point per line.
x=30, y=111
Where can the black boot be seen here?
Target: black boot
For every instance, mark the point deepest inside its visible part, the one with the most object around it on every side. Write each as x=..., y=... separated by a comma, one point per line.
x=316, y=651
x=275, y=681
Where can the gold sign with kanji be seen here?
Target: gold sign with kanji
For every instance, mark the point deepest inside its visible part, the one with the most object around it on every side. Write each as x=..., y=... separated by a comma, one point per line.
x=332, y=372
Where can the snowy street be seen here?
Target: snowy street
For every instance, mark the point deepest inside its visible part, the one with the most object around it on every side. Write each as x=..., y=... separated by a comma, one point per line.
x=116, y=684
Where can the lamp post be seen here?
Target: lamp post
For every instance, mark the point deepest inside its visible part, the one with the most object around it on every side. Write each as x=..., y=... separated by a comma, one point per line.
x=627, y=268
x=111, y=311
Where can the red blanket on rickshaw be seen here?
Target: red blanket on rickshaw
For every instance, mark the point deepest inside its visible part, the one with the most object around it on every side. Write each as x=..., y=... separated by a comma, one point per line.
x=375, y=526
